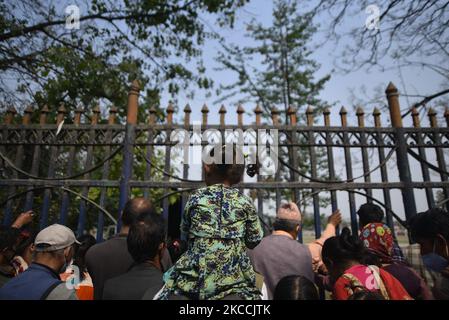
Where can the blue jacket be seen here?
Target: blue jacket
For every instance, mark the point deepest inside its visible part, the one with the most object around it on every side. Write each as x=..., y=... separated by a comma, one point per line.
x=33, y=284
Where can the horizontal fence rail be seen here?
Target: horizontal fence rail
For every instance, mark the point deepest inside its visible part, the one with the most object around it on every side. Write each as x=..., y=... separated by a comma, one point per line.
x=82, y=174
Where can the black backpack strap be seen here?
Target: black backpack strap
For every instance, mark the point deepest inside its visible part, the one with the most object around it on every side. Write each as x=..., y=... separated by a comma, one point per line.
x=50, y=289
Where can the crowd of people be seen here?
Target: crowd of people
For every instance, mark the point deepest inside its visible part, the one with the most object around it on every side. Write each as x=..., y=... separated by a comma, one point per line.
x=226, y=255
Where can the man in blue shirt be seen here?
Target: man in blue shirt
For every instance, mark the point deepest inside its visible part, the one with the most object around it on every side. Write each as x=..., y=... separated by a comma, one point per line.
x=53, y=252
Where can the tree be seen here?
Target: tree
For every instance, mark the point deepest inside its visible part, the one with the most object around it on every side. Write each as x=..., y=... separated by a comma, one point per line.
x=157, y=41
x=284, y=75
x=410, y=33
x=43, y=62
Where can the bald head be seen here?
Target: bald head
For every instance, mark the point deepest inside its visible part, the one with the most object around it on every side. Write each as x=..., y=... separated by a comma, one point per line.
x=134, y=208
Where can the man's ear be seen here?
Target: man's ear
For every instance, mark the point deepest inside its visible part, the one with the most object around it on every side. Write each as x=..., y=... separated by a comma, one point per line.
x=207, y=168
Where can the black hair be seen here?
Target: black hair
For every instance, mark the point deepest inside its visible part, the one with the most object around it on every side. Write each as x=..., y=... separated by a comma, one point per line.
x=87, y=241
x=426, y=225
x=295, y=288
x=8, y=237
x=134, y=208
x=232, y=172
x=346, y=247
x=285, y=225
x=145, y=236
x=25, y=243
x=366, y=295
x=370, y=213
x=176, y=248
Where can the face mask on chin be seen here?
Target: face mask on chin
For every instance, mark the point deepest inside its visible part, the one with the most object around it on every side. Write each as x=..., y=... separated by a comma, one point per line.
x=434, y=261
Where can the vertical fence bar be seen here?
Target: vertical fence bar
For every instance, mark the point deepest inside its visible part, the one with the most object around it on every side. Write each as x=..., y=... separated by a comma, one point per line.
x=275, y=118
x=222, y=113
x=422, y=153
x=348, y=164
x=383, y=169
x=446, y=116
x=294, y=152
x=204, y=111
x=185, y=166
x=65, y=195
x=439, y=152
x=128, y=147
x=258, y=112
x=54, y=151
x=105, y=173
x=240, y=112
x=361, y=122
x=89, y=159
x=170, y=110
x=36, y=158
x=293, y=156
x=408, y=196
x=149, y=149
x=18, y=161
x=313, y=172
x=330, y=158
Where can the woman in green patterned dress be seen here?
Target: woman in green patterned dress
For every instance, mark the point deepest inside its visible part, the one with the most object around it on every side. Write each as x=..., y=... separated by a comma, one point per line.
x=220, y=223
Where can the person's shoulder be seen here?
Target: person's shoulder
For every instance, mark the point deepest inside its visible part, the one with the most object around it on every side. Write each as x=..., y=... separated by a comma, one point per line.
x=241, y=197
x=62, y=292
x=103, y=246
x=113, y=284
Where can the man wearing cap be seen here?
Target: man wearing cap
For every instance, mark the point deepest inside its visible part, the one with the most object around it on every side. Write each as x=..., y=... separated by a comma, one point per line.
x=279, y=254
x=53, y=251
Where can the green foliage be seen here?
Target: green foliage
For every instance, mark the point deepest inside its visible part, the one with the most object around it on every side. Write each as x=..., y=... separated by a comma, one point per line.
x=158, y=42
x=285, y=77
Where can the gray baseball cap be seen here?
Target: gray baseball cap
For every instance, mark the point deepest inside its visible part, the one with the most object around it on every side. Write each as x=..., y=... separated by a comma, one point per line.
x=54, y=237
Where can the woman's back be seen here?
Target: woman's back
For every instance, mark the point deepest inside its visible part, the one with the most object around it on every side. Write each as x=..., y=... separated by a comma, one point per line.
x=218, y=212
x=410, y=280
x=220, y=223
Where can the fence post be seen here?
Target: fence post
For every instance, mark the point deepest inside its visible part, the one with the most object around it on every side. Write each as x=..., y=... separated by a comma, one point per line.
x=128, y=154
x=9, y=119
x=401, y=152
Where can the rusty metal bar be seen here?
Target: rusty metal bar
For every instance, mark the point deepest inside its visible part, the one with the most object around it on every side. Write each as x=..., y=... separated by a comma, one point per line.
x=408, y=196
x=18, y=160
x=330, y=159
x=314, y=175
x=104, y=175
x=439, y=153
x=54, y=152
x=70, y=162
x=128, y=152
x=383, y=169
x=89, y=159
x=348, y=165
x=422, y=153
x=361, y=122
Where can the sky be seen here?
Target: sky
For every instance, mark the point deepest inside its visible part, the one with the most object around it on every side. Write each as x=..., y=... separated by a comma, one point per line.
x=339, y=91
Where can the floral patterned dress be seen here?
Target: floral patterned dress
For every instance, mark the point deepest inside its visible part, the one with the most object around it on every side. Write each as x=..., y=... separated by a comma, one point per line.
x=218, y=221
